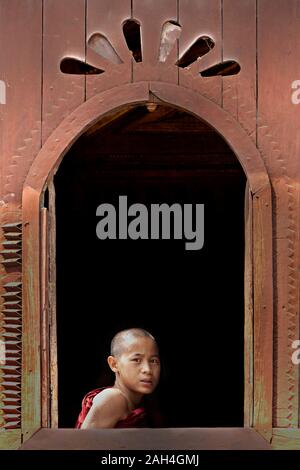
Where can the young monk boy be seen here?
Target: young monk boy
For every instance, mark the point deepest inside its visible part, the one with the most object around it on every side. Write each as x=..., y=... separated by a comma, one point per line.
x=135, y=361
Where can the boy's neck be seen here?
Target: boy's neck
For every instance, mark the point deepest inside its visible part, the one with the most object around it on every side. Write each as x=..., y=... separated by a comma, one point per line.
x=134, y=399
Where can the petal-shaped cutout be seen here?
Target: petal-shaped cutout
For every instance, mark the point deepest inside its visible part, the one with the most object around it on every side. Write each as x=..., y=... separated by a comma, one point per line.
x=132, y=34
x=101, y=45
x=169, y=34
x=229, y=67
x=198, y=49
x=78, y=67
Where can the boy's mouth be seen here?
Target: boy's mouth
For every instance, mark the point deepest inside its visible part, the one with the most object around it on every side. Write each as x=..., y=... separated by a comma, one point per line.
x=146, y=381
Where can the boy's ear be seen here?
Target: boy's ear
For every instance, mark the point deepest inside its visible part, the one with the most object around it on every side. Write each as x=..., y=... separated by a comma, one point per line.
x=112, y=362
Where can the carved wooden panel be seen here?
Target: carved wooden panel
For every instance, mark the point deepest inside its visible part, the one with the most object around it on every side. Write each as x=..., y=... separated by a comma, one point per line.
x=105, y=22
x=152, y=20
x=201, y=19
x=278, y=130
x=20, y=116
x=239, y=44
x=11, y=329
x=39, y=90
x=63, y=38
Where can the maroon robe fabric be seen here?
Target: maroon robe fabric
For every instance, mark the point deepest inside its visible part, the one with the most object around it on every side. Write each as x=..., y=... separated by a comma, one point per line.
x=135, y=419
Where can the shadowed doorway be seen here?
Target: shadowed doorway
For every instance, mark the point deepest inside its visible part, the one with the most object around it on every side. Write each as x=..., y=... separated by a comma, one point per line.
x=191, y=301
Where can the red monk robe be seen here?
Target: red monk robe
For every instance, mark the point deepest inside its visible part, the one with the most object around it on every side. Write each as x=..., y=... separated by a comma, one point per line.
x=136, y=419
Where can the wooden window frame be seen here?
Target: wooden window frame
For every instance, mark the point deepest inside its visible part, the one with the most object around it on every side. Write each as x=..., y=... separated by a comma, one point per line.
x=39, y=349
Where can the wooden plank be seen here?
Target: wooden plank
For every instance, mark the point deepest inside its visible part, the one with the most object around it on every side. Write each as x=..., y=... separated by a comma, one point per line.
x=106, y=17
x=286, y=439
x=152, y=21
x=21, y=32
x=31, y=358
x=20, y=58
x=286, y=331
x=10, y=440
x=248, y=295
x=278, y=38
x=278, y=131
x=201, y=19
x=62, y=93
x=239, y=44
x=263, y=311
x=286, y=248
x=44, y=320
x=52, y=307
x=150, y=439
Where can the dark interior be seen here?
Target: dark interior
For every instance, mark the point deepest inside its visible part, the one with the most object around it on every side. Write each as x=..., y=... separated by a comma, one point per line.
x=191, y=301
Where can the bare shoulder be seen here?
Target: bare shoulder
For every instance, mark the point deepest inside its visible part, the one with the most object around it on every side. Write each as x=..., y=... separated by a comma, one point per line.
x=110, y=396
x=109, y=406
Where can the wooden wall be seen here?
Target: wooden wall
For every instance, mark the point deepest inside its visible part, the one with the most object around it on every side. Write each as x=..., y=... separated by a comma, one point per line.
x=261, y=35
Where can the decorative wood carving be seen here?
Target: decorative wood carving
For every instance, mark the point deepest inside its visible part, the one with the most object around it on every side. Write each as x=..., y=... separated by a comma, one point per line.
x=11, y=329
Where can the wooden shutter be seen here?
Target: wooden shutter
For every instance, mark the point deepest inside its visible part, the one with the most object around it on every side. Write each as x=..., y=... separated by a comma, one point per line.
x=48, y=307
x=11, y=328
x=248, y=298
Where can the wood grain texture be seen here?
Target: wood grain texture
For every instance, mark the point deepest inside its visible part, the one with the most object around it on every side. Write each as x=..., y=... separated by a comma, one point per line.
x=52, y=340
x=45, y=395
x=31, y=359
x=152, y=21
x=286, y=439
x=150, y=439
x=106, y=17
x=20, y=32
x=40, y=34
x=278, y=141
x=63, y=36
x=263, y=312
x=248, y=296
x=10, y=440
x=201, y=19
x=239, y=44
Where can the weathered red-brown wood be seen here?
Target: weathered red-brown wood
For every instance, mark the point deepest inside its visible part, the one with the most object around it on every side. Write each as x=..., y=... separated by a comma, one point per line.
x=201, y=19
x=278, y=131
x=40, y=34
x=286, y=439
x=31, y=360
x=152, y=21
x=20, y=58
x=11, y=440
x=107, y=18
x=52, y=331
x=44, y=320
x=149, y=439
x=248, y=296
x=263, y=312
x=239, y=44
x=63, y=36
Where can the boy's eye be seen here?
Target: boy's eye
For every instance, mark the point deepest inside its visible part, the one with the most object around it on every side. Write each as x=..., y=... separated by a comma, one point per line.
x=155, y=361
x=136, y=359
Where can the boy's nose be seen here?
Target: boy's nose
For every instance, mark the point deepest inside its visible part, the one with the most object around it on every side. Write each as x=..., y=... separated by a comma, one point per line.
x=146, y=367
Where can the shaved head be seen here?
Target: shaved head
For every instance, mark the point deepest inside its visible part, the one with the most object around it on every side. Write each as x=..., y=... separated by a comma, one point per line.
x=120, y=340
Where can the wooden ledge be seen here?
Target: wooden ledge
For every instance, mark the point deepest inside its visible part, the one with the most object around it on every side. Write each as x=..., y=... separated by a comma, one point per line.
x=147, y=439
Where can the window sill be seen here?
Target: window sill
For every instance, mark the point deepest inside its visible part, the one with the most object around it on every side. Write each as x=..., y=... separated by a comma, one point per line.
x=147, y=439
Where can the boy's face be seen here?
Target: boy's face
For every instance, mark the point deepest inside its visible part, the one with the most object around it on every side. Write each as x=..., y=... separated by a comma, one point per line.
x=138, y=365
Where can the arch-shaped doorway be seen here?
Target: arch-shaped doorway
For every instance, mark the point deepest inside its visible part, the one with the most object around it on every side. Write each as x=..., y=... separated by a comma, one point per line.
x=192, y=301
x=258, y=247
